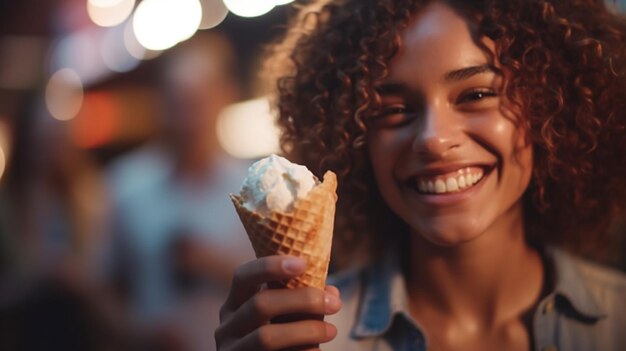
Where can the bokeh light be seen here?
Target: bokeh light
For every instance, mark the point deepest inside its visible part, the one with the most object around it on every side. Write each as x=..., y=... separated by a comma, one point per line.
x=97, y=122
x=115, y=54
x=3, y=162
x=134, y=48
x=64, y=94
x=249, y=8
x=213, y=13
x=80, y=52
x=248, y=129
x=161, y=24
x=4, y=147
x=109, y=13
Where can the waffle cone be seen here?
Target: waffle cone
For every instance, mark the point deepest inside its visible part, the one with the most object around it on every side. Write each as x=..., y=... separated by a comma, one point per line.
x=305, y=232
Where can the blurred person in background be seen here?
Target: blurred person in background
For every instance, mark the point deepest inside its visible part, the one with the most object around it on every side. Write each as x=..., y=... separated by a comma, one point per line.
x=174, y=238
x=524, y=102
x=51, y=206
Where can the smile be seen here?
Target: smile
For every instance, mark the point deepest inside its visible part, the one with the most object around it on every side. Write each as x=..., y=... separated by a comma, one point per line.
x=449, y=182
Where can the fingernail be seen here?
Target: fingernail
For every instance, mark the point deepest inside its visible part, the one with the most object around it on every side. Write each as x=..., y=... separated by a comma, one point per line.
x=294, y=265
x=331, y=303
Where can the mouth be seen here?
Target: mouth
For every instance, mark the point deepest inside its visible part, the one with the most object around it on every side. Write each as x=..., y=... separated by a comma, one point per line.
x=450, y=182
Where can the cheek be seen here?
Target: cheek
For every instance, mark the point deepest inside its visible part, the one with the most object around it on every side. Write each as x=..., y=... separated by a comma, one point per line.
x=383, y=153
x=512, y=147
x=522, y=162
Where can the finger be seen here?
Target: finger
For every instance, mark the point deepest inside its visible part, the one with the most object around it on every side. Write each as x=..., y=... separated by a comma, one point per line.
x=266, y=305
x=249, y=276
x=332, y=290
x=281, y=336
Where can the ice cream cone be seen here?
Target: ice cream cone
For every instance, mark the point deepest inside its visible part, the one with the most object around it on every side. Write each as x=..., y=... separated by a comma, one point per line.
x=305, y=232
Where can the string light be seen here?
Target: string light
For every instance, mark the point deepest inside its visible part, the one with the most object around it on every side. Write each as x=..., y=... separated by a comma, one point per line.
x=249, y=8
x=109, y=13
x=161, y=24
x=248, y=129
x=213, y=13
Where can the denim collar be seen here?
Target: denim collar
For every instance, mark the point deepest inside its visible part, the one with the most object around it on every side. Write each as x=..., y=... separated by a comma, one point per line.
x=384, y=297
x=384, y=294
x=571, y=285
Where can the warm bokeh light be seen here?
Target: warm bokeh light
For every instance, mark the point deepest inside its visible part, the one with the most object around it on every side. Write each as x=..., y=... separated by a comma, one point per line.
x=134, y=48
x=249, y=8
x=114, y=52
x=3, y=162
x=104, y=3
x=109, y=13
x=248, y=129
x=161, y=24
x=64, y=94
x=4, y=146
x=97, y=121
x=282, y=2
x=213, y=13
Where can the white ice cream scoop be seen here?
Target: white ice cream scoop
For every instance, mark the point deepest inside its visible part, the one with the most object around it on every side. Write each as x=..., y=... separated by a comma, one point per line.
x=274, y=183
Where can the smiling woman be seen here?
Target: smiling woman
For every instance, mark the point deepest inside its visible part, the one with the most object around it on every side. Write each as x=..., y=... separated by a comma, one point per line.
x=478, y=147
x=447, y=119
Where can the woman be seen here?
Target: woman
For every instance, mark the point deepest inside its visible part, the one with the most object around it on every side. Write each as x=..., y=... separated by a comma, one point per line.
x=477, y=143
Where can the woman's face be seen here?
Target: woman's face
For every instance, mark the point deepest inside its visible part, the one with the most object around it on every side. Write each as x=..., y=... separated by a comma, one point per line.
x=445, y=157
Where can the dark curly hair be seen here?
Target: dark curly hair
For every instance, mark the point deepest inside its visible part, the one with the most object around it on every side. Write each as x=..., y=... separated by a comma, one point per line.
x=564, y=63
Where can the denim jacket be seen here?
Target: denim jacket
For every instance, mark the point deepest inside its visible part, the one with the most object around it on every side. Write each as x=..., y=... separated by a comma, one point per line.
x=585, y=311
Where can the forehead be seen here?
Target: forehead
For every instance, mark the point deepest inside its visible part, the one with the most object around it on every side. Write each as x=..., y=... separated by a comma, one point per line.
x=438, y=38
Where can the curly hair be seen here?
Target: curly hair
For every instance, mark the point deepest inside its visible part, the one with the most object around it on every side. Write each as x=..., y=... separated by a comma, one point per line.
x=564, y=63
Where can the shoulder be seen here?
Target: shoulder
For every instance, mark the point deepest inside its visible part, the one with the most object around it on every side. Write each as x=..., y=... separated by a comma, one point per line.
x=601, y=277
x=595, y=284
x=345, y=276
x=350, y=285
x=607, y=287
x=347, y=281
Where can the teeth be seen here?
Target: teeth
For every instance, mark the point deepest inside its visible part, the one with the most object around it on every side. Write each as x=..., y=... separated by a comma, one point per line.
x=461, y=181
x=449, y=184
x=440, y=186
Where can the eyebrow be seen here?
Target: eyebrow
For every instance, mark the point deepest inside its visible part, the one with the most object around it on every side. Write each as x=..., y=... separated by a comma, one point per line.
x=467, y=72
x=393, y=88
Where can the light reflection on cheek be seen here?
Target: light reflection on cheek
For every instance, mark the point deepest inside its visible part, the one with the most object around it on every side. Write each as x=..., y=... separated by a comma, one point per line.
x=501, y=129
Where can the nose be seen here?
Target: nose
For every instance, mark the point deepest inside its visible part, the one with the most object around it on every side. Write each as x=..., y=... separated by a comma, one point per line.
x=438, y=133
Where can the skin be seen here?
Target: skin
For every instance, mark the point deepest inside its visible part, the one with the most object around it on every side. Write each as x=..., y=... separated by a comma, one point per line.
x=248, y=309
x=472, y=279
x=442, y=114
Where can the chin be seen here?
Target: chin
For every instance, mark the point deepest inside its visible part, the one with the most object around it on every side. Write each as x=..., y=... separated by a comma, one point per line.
x=448, y=235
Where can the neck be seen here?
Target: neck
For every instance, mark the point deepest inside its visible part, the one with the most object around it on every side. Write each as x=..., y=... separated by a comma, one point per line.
x=492, y=278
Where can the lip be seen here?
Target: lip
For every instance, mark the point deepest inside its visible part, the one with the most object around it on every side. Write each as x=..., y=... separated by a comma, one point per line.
x=447, y=199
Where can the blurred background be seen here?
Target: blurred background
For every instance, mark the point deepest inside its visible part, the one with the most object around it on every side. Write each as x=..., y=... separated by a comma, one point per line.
x=124, y=124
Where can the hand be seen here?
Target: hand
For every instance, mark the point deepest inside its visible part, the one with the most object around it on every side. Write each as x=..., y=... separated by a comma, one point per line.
x=246, y=314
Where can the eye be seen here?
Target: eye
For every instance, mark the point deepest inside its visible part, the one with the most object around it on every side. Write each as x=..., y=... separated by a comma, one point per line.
x=475, y=96
x=393, y=116
x=394, y=110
